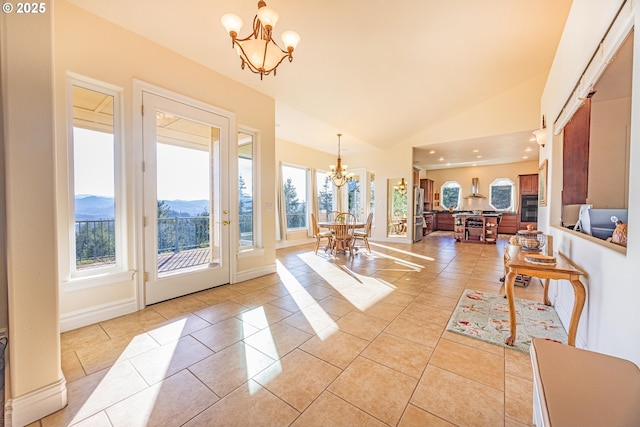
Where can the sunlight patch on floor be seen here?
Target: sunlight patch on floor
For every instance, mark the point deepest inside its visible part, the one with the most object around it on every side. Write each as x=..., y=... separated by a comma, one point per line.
x=123, y=376
x=317, y=317
x=360, y=290
x=258, y=317
x=413, y=254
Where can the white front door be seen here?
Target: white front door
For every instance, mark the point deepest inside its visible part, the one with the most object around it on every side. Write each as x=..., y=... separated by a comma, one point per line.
x=186, y=198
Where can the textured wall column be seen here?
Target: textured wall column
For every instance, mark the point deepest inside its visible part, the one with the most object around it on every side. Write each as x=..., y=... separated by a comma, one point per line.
x=37, y=386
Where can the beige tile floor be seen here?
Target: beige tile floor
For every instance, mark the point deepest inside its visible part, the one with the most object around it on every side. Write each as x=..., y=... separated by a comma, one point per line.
x=323, y=342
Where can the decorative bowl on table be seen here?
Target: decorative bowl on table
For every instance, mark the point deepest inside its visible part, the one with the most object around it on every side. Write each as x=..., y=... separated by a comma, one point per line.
x=531, y=240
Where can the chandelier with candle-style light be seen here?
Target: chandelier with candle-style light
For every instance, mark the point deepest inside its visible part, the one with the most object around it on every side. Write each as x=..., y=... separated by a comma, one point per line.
x=401, y=187
x=258, y=51
x=339, y=175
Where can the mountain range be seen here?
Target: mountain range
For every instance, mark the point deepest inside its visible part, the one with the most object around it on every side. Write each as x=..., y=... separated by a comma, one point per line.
x=89, y=207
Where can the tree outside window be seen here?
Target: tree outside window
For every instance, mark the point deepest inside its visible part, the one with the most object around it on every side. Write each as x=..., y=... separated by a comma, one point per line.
x=325, y=195
x=295, y=184
x=501, y=192
x=450, y=195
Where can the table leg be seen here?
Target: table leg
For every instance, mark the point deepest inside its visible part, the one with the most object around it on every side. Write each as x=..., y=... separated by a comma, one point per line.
x=546, y=292
x=578, y=304
x=509, y=282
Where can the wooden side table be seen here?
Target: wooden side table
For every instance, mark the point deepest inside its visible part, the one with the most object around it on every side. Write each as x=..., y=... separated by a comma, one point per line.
x=515, y=263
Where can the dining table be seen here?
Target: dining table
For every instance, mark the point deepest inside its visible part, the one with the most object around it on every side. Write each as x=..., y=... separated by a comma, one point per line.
x=334, y=225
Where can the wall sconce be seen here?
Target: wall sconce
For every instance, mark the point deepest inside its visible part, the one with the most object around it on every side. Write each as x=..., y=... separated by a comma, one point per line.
x=541, y=134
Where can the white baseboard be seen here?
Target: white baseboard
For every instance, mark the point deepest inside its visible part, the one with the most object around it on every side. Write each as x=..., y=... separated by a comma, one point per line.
x=241, y=276
x=95, y=314
x=25, y=409
x=289, y=243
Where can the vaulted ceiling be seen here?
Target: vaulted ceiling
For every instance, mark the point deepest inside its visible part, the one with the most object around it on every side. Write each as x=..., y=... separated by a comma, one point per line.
x=379, y=71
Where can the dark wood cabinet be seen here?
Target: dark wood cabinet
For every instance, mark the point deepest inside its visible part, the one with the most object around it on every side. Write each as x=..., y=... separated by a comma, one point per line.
x=475, y=228
x=427, y=186
x=528, y=183
x=508, y=224
x=528, y=207
x=575, y=152
x=429, y=223
x=444, y=221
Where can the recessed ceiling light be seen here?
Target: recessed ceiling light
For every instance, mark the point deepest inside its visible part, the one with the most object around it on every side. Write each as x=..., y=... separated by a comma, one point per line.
x=432, y=152
x=478, y=157
x=528, y=149
x=476, y=150
x=441, y=158
x=525, y=157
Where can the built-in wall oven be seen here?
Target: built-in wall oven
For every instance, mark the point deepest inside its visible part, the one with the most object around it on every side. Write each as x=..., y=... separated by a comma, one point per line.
x=529, y=208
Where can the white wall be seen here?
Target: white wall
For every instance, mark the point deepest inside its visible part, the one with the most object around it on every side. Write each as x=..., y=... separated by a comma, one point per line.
x=95, y=48
x=610, y=321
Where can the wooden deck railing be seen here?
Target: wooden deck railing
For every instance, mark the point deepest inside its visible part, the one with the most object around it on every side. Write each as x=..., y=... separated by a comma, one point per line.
x=182, y=241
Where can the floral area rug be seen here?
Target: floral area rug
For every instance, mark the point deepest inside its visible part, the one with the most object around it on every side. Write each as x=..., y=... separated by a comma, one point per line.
x=485, y=316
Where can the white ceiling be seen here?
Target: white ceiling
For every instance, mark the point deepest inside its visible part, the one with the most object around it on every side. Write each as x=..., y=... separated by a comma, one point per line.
x=378, y=71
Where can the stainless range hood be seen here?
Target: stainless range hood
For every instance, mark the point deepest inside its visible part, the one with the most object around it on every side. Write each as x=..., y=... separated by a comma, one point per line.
x=475, y=188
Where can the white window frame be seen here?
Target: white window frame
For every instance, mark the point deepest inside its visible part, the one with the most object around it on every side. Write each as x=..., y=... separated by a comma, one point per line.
x=100, y=276
x=449, y=184
x=306, y=190
x=361, y=173
x=256, y=249
x=503, y=182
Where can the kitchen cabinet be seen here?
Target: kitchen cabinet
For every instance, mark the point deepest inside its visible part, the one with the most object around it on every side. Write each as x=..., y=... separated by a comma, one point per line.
x=528, y=184
x=427, y=186
x=444, y=221
x=475, y=228
x=528, y=201
x=429, y=222
x=508, y=224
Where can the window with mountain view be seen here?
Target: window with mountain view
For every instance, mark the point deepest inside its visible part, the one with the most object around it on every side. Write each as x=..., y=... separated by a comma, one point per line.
x=94, y=179
x=501, y=192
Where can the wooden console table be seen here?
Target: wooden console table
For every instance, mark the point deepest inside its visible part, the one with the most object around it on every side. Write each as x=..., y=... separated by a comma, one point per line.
x=514, y=263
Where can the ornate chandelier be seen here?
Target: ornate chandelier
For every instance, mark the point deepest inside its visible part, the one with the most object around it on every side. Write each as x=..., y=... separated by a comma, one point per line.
x=401, y=187
x=339, y=175
x=258, y=50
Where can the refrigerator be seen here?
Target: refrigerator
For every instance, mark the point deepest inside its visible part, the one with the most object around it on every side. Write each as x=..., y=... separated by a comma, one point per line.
x=418, y=208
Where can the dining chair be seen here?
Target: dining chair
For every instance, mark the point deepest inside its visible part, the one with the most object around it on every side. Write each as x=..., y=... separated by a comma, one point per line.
x=363, y=234
x=319, y=235
x=343, y=227
x=332, y=215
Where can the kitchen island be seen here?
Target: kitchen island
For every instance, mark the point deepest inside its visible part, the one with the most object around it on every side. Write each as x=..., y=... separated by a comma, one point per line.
x=476, y=227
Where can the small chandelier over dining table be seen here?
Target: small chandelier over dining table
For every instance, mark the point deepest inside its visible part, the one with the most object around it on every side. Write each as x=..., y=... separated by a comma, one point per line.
x=339, y=175
x=401, y=187
x=258, y=50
